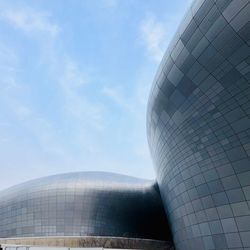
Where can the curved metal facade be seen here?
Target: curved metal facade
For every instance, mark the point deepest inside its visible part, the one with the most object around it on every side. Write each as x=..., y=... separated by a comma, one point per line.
x=198, y=127
x=83, y=204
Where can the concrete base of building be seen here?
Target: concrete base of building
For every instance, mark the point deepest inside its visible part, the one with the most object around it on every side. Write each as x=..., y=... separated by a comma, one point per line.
x=89, y=241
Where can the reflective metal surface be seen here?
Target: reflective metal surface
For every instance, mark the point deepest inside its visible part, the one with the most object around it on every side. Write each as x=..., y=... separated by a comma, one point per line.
x=198, y=127
x=77, y=204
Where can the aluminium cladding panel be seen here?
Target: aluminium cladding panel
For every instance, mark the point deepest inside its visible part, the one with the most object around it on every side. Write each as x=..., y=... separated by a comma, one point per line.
x=198, y=126
x=83, y=204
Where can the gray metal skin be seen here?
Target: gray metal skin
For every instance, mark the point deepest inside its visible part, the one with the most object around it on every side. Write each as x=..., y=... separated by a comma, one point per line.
x=83, y=204
x=198, y=126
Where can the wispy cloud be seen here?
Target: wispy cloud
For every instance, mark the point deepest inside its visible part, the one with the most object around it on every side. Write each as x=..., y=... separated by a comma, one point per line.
x=15, y=99
x=153, y=35
x=116, y=94
x=72, y=83
x=110, y=3
x=9, y=68
x=133, y=106
x=30, y=20
x=69, y=79
x=62, y=113
x=15, y=96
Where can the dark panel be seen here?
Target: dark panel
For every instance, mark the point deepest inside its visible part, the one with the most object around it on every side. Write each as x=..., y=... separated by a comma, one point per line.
x=83, y=204
x=202, y=154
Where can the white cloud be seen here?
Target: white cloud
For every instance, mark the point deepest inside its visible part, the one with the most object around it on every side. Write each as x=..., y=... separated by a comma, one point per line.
x=69, y=78
x=133, y=109
x=72, y=83
x=15, y=101
x=153, y=35
x=28, y=119
x=21, y=110
x=82, y=115
x=8, y=67
x=30, y=20
x=82, y=120
x=110, y=3
x=116, y=94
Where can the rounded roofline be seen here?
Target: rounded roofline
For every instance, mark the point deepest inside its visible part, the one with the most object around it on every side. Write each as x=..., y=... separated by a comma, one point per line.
x=91, y=176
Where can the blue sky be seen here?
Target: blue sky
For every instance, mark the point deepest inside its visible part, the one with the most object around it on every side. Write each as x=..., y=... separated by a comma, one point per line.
x=75, y=79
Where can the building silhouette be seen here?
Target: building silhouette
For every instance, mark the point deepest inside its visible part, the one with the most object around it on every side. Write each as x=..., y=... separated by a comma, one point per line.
x=198, y=128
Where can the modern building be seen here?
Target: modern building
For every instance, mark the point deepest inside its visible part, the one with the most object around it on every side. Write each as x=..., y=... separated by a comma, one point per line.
x=198, y=126
x=95, y=207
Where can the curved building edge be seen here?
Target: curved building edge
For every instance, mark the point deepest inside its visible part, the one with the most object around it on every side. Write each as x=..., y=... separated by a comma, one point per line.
x=198, y=126
x=83, y=204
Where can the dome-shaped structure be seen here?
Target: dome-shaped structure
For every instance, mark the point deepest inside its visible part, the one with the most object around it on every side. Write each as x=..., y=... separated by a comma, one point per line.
x=83, y=204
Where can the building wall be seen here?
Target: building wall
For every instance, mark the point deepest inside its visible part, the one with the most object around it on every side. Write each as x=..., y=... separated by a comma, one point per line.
x=198, y=126
x=83, y=204
x=84, y=242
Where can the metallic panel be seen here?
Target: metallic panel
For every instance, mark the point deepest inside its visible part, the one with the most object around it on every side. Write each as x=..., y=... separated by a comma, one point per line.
x=198, y=126
x=83, y=204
